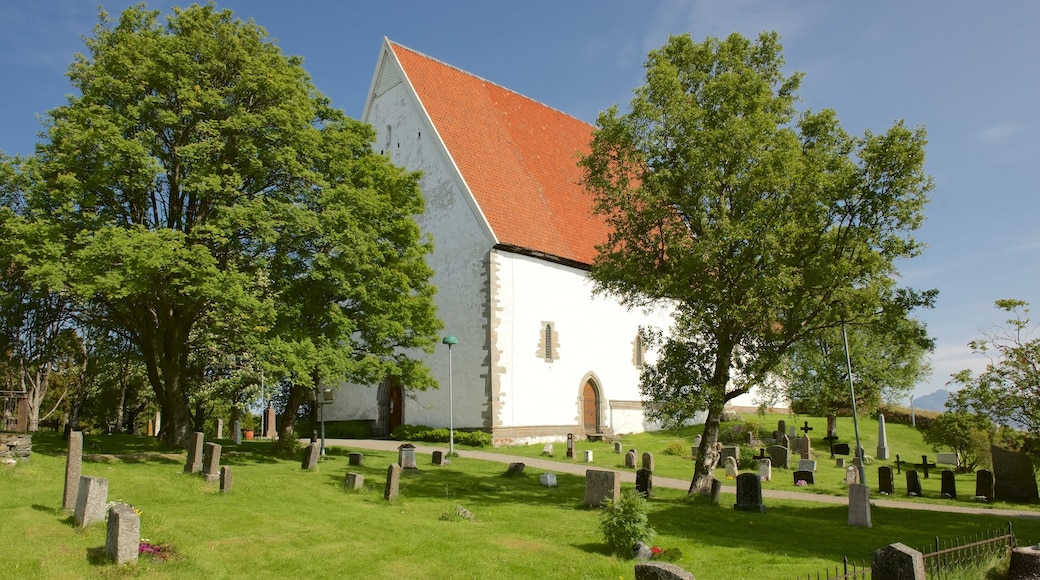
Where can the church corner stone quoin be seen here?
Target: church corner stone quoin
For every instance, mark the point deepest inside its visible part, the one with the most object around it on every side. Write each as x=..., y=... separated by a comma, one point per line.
x=538, y=356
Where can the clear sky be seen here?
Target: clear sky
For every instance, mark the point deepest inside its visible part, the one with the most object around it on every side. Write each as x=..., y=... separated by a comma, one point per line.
x=967, y=71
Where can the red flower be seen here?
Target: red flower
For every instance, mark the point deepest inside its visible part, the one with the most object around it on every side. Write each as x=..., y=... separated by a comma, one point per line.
x=655, y=550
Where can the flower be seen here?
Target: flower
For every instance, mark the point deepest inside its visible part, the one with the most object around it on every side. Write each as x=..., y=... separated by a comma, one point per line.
x=801, y=483
x=655, y=550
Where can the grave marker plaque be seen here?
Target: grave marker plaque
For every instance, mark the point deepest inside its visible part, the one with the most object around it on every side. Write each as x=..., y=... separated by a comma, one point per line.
x=949, y=485
x=778, y=453
x=984, y=484
x=913, y=483
x=601, y=485
x=749, y=493
x=310, y=456
x=886, y=482
x=765, y=469
x=806, y=476
x=355, y=459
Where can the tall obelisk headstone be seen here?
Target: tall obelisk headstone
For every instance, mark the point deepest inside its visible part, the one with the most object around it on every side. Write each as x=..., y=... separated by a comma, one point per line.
x=882, y=438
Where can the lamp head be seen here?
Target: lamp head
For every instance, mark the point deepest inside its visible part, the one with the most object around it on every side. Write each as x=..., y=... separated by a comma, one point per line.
x=450, y=340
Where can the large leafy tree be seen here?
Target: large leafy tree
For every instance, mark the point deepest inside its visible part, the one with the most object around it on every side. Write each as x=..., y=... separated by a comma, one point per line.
x=758, y=224
x=193, y=185
x=1008, y=389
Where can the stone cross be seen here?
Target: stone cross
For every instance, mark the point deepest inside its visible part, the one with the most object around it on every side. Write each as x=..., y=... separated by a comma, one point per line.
x=805, y=428
x=924, y=465
x=899, y=464
x=762, y=454
x=830, y=439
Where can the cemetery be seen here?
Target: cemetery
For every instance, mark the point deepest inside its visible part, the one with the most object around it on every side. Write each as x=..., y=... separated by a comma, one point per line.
x=405, y=512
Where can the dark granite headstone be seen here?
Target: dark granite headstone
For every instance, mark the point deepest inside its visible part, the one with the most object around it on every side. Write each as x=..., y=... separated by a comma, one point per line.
x=984, y=484
x=645, y=482
x=716, y=490
x=355, y=459
x=842, y=449
x=779, y=454
x=1013, y=477
x=806, y=476
x=886, y=482
x=949, y=485
x=749, y=493
x=438, y=458
x=729, y=451
x=913, y=483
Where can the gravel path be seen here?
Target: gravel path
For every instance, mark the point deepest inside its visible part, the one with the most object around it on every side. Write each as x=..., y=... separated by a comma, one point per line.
x=670, y=482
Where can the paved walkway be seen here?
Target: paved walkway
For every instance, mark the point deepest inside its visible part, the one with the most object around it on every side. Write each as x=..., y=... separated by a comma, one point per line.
x=670, y=482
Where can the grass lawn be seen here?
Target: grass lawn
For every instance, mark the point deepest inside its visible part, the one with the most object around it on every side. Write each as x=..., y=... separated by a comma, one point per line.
x=280, y=521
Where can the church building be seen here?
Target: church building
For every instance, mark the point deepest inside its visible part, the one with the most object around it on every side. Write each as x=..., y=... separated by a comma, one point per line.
x=538, y=355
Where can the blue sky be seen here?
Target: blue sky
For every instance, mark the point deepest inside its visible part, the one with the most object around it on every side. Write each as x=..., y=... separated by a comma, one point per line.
x=967, y=71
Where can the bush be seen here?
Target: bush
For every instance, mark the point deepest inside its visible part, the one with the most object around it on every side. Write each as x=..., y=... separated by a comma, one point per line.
x=440, y=435
x=348, y=429
x=625, y=522
x=747, y=459
x=678, y=449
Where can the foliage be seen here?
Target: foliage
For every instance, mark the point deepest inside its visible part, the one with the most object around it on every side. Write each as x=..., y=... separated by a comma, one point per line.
x=964, y=432
x=747, y=459
x=758, y=225
x=625, y=521
x=1008, y=390
x=440, y=435
x=348, y=429
x=737, y=433
x=677, y=449
x=887, y=355
x=200, y=198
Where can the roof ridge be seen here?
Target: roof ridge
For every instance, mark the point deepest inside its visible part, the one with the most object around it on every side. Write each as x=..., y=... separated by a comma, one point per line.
x=490, y=82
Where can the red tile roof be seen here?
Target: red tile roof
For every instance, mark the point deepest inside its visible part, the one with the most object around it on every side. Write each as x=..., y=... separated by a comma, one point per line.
x=518, y=157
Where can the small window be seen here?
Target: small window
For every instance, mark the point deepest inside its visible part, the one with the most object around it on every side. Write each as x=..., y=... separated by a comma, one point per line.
x=548, y=343
x=639, y=351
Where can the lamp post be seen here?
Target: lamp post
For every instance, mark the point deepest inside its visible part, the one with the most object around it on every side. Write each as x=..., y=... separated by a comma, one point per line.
x=855, y=420
x=450, y=341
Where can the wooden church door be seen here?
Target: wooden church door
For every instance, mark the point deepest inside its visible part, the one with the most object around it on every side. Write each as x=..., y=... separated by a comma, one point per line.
x=396, y=407
x=590, y=407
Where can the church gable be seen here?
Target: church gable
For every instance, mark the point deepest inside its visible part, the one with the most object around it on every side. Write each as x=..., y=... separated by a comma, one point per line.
x=517, y=157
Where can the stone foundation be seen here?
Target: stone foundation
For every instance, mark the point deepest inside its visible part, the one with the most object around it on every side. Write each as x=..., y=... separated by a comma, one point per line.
x=15, y=446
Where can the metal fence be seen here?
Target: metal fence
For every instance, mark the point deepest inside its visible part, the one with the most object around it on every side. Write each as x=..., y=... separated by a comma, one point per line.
x=941, y=558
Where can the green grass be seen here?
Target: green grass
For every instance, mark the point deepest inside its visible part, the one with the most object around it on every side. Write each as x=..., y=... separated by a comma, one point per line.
x=280, y=521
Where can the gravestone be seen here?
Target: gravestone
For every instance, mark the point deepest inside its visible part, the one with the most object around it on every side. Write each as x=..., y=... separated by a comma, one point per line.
x=211, y=462
x=781, y=427
x=194, y=462
x=806, y=465
x=645, y=482
x=839, y=462
x=731, y=468
x=270, y=425
x=806, y=476
x=393, y=482
x=648, y=461
x=697, y=441
x=851, y=475
x=547, y=449
x=158, y=423
x=897, y=561
x=913, y=483
x=830, y=439
x=749, y=493
x=949, y=485
x=617, y=447
x=792, y=433
x=588, y=455
x=805, y=447
x=1025, y=563
x=630, y=459
x=548, y=479
x=123, y=537
x=225, y=479
x=984, y=484
x=354, y=481
x=150, y=430
x=899, y=464
x=661, y=571
x=406, y=456
x=220, y=428
x=236, y=432
x=716, y=491
x=438, y=458
x=570, y=446
x=948, y=458
x=886, y=482
x=91, y=500
x=729, y=451
x=778, y=453
x=515, y=469
x=924, y=465
x=785, y=442
x=1013, y=478
x=859, y=506
x=842, y=449
x=765, y=469
x=601, y=485
x=882, y=437
x=310, y=456
x=73, y=469
x=355, y=459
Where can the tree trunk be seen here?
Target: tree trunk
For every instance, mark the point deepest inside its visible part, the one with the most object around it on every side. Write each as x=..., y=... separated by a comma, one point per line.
x=286, y=435
x=707, y=453
x=832, y=425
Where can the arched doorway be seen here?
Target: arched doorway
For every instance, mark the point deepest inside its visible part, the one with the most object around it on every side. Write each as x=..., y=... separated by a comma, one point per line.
x=590, y=407
x=391, y=407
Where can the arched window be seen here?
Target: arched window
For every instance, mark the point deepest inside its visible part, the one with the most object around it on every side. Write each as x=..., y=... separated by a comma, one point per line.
x=640, y=350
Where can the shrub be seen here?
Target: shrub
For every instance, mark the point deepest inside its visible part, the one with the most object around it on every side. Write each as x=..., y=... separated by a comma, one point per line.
x=677, y=448
x=625, y=522
x=440, y=435
x=747, y=458
x=348, y=429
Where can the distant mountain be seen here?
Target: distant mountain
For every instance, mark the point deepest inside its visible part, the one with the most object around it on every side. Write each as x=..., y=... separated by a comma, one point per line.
x=932, y=402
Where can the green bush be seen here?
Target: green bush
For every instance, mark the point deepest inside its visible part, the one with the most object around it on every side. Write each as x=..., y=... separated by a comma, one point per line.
x=348, y=429
x=677, y=448
x=747, y=458
x=440, y=435
x=625, y=522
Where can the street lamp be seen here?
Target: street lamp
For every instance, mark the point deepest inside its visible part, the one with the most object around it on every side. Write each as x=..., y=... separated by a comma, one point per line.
x=855, y=420
x=450, y=340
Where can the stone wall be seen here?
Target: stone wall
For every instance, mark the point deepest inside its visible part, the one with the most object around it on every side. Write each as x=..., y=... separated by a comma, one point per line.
x=15, y=446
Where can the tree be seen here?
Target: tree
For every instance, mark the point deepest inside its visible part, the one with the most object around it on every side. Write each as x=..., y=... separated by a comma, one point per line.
x=887, y=356
x=966, y=433
x=1008, y=390
x=757, y=225
x=183, y=183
